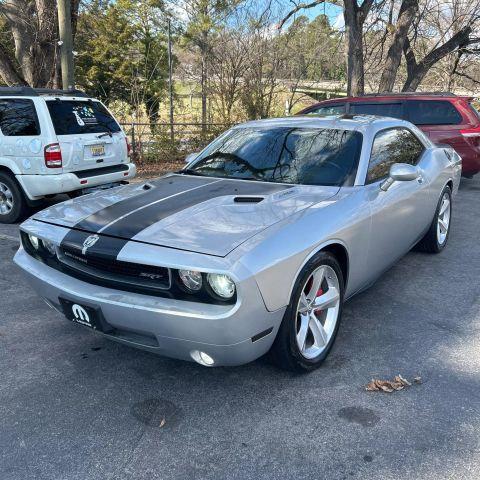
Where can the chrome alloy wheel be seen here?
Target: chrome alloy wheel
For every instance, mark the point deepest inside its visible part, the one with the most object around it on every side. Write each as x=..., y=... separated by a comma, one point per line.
x=317, y=311
x=443, y=221
x=6, y=199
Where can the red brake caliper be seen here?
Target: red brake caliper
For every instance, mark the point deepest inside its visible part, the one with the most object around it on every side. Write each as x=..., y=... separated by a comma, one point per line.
x=320, y=292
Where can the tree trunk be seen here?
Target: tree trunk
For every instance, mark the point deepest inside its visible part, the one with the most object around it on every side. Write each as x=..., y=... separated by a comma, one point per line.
x=354, y=20
x=407, y=13
x=416, y=71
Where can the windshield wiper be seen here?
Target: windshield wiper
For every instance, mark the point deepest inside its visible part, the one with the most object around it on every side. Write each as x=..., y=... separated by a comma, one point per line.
x=189, y=171
x=106, y=134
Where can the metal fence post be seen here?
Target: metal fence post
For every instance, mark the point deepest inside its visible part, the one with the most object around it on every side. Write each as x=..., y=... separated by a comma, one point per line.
x=134, y=147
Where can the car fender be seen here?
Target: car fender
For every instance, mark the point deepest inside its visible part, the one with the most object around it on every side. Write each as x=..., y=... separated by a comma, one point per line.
x=10, y=165
x=280, y=252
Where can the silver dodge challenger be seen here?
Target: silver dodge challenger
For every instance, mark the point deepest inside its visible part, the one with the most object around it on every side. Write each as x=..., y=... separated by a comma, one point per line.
x=254, y=246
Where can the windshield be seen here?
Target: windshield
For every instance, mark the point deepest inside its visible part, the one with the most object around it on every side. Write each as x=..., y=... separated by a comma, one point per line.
x=307, y=156
x=73, y=117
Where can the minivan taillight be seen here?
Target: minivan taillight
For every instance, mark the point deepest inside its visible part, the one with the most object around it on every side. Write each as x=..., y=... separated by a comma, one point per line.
x=53, y=156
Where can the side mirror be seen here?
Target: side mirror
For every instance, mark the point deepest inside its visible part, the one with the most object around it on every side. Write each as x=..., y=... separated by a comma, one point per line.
x=400, y=172
x=190, y=157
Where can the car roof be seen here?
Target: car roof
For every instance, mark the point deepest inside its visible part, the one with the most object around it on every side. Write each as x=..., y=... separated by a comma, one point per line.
x=343, y=122
x=392, y=97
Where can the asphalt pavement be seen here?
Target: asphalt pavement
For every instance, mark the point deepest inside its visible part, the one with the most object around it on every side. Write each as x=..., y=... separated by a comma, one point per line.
x=74, y=405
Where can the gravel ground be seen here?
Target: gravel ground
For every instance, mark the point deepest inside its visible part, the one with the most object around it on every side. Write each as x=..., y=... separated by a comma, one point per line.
x=76, y=406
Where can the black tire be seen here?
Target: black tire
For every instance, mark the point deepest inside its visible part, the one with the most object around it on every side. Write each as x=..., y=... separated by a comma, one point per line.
x=430, y=242
x=19, y=206
x=285, y=352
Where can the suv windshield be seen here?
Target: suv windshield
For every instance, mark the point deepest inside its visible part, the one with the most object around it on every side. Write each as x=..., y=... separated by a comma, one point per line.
x=71, y=117
x=308, y=156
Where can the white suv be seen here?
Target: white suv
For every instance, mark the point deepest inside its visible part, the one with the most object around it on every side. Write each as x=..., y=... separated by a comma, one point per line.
x=56, y=141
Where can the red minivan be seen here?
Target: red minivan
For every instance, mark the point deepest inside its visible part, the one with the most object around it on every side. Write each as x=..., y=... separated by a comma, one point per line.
x=444, y=117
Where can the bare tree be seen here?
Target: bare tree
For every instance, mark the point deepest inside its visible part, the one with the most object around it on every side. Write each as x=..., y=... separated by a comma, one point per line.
x=34, y=34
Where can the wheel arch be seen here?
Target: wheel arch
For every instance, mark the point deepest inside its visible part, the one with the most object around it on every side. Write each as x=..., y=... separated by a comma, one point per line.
x=338, y=249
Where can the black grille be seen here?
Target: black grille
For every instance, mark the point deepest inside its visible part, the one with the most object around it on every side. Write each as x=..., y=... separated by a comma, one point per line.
x=133, y=274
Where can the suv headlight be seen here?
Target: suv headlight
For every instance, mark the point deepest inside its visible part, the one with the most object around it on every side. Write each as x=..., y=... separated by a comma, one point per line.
x=221, y=284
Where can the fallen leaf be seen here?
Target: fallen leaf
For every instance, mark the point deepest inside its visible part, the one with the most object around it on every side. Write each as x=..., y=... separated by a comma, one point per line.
x=417, y=380
x=388, y=386
x=162, y=423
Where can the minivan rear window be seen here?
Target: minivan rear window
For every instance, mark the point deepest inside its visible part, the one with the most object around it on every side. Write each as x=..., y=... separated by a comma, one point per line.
x=432, y=112
x=383, y=109
x=73, y=117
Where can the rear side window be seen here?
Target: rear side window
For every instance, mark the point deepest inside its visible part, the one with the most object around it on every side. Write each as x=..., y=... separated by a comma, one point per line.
x=18, y=118
x=382, y=109
x=432, y=112
x=71, y=117
x=395, y=145
x=337, y=109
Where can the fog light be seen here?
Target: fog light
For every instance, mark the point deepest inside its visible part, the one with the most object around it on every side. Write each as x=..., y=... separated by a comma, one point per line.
x=191, y=279
x=34, y=241
x=202, y=358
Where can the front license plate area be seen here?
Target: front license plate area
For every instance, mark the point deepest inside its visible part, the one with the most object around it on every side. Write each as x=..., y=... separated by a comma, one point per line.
x=90, y=317
x=97, y=150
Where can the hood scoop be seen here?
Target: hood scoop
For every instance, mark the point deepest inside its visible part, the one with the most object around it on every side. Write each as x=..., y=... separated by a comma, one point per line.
x=248, y=199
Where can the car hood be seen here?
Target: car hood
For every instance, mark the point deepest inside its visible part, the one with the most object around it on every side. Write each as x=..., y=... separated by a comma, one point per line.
x=199, y=214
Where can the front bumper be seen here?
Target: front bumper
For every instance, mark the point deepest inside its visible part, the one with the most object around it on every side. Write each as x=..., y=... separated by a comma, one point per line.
x=37, y=186
x=173, y=328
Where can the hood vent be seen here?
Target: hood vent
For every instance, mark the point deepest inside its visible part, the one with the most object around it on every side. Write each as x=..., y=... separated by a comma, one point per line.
x=248, y=199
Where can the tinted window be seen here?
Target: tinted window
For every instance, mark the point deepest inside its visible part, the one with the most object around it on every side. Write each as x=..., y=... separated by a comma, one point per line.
x=309, y=156
x=432, y=112
x=18, y=118
x=336, y=109
x=396, y=145
x=72, y=117
x=382, y=109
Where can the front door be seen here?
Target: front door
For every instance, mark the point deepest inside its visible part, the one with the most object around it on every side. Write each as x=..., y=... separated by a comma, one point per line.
x=401, y=214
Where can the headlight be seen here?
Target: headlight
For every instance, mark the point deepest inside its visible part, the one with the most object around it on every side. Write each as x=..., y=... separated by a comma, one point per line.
x=191, y=279
x=221, y=284
x=34, y=241
x=49, y=247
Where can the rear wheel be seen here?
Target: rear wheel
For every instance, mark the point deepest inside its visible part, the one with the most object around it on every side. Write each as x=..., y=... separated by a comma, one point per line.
x=311, y=321
x=436, y=238
x=13, y=205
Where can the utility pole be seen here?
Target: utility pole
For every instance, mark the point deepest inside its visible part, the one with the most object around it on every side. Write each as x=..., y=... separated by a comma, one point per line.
x=66, y=44
x=170, y=79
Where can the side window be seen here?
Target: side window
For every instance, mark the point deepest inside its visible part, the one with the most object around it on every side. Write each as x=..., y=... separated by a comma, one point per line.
x=18, y=118
x=395, y=145
x=382, y=109
x=336, y=109
x=432, y=112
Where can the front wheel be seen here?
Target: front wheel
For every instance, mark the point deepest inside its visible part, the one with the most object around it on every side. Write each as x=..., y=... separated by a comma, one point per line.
x=311, y=321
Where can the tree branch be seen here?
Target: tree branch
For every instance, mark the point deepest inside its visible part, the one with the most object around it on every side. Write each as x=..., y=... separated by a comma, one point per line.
x=300, y=6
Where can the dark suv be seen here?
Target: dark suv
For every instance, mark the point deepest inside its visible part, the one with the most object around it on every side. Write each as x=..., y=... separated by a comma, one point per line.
x=444, y=117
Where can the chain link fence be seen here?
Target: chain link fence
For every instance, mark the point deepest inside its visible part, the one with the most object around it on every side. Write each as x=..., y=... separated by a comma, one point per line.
x=161, y=147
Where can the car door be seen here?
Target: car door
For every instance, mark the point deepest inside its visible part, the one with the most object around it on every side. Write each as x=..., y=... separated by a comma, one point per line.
x=400, y=214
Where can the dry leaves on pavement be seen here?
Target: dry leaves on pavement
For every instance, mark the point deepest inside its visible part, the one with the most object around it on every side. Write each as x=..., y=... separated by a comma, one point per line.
x=389, y=386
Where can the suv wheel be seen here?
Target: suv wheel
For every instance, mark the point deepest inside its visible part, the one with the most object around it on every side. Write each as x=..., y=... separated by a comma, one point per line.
x=13, y=205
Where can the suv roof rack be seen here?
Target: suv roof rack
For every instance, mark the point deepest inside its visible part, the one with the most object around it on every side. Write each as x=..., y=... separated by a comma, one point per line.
x=26, y=91
x=400, y=94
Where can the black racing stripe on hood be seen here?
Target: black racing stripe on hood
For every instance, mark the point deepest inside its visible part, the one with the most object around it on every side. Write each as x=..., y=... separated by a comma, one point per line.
x=162, y=188
x=138, y=221
x=116, y=236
